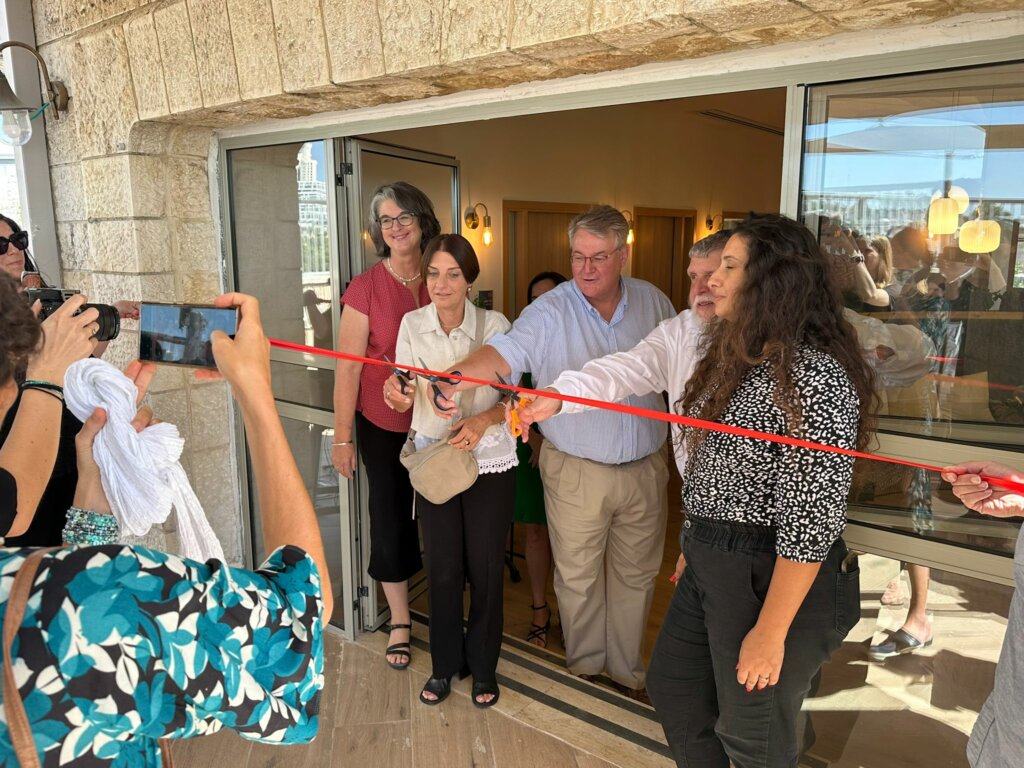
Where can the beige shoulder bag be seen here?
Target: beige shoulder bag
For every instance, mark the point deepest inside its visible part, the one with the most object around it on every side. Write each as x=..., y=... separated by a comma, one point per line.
x=441, y=471
x=14, y=707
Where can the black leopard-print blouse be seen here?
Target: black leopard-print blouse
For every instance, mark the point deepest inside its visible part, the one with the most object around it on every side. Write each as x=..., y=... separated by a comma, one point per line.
x=800, y=492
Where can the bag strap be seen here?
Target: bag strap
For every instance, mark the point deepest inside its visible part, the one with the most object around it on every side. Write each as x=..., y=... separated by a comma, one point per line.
x=14, y=707
x=478, y=341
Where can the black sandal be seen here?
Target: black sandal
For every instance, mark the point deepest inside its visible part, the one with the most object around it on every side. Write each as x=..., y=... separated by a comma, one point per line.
x=538, y=632
x=482, y=689
x=441, y=686
x=399, y=649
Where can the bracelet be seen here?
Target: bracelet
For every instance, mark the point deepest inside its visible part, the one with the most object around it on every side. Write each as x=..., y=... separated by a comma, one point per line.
x=87, y=528
x=51, y=389
x=343, y=442
x=47, y=385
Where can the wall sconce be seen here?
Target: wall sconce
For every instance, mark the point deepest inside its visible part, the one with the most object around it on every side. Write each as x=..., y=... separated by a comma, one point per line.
x=472, y=220
x=15, y=121
x=709, y=222
x=629, y=220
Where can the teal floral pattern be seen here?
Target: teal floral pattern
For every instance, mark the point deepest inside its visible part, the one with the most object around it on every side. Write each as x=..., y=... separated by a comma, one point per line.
x=121, y=646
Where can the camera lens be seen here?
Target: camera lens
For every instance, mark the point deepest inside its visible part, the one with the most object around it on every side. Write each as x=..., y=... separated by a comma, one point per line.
x=109, y=321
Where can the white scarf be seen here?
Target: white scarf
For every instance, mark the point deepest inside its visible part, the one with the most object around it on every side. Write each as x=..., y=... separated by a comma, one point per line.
x=141, y=474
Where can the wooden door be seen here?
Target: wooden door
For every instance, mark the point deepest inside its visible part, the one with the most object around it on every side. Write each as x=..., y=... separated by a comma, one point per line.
x=537, y=241
x=662, y=240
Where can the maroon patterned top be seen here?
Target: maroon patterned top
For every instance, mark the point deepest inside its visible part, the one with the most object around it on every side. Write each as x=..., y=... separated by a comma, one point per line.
x=384, y=300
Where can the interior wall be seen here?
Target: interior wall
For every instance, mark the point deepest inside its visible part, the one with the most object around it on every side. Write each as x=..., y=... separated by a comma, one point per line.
x=657, y=154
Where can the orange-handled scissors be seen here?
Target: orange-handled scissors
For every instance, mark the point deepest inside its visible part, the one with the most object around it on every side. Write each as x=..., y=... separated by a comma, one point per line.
x=516, y=401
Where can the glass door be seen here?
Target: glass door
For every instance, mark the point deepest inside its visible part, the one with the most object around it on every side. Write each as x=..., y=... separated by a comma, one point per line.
x=282, y=235
x=365, y=167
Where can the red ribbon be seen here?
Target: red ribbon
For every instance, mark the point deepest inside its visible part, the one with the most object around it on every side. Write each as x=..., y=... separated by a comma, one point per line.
x=646, y=413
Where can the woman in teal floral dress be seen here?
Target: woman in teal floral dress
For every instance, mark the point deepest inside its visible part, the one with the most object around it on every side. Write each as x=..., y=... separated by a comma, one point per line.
x=121, y=645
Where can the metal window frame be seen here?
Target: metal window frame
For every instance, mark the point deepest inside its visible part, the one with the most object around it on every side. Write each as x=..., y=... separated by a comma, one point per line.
x=747, y=70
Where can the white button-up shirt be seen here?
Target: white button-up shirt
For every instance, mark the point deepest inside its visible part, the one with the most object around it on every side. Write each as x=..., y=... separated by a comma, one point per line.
x=422, y=343
x=663, y=362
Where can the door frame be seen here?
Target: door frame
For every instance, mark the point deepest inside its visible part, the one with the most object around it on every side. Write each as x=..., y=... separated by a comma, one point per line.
x=988, y=41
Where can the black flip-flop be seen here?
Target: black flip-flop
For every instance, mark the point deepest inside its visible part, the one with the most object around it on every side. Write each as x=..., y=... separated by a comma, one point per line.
x=899, y=643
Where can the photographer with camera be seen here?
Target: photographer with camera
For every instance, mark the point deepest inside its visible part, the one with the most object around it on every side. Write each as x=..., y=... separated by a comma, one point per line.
x=31, y=437
x=48, y=505
x=165, y=647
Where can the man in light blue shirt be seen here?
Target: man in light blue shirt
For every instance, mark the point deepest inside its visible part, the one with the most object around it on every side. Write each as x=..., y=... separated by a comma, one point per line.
x=604, y=473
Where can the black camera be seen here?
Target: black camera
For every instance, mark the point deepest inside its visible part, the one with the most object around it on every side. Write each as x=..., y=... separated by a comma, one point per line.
x=51, y=298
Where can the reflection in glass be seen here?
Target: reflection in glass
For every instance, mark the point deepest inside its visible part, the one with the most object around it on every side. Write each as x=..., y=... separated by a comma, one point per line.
x=905, y=180
x=311, y=446
x=913, y=709
x=282, y=238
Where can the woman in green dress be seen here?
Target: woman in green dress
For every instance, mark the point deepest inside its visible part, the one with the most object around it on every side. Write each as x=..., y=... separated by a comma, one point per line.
x=529, y=509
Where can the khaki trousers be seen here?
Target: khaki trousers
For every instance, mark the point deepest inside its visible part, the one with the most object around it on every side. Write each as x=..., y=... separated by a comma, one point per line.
x=607, y=529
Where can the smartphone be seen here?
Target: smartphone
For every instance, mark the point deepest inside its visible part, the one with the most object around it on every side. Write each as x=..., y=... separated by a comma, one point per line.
x=179, y=334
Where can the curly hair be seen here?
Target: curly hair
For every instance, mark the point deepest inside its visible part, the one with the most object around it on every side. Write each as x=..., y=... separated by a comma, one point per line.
x=22, y=332
x=788, y=298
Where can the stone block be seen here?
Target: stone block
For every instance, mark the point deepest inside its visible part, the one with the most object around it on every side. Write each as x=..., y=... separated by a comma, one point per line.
x=301, y=45
x=892, y=14
x=178, y=57
x=211, y=417
x=62, y=131
x=259, y=73
x=566, y=50
x=146, y=66
x=108, y=191
x=354, y=40
x=189, y=187
x=149, y=185
x=213, y=479
x=688, y=47
x=158, y=289
x=168, y=378
x=194, y=141
x=806, y=29
x=68, y=192
x=197, y=248
x=986, y=6
x=215, y=55
x=411, y=34
x=124, y=185
x=112, y=245
x=79, y=281
x=546, y=21
x=724, y=16
x=149, y=137
x=106, y=103
x=153, y=245
x=641, y=34
x=73, y=244
x=200, y=287
x=172, y=406
x=611, y=15
x=108, y=287
x=123, y=349
x=470, y=30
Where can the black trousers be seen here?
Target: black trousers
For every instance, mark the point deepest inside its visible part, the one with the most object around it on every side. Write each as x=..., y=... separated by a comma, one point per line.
x=465, y=539
x=709, y=718
x=394, y=535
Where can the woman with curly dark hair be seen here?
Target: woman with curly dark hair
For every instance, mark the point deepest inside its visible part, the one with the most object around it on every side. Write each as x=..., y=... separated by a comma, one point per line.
x=43, y=352
x=769, y=590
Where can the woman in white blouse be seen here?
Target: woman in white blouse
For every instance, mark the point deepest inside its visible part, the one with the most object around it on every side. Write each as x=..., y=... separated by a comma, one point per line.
x=465, y=536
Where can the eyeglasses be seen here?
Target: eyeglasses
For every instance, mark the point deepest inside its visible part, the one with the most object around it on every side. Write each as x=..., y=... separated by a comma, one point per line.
x=18, y=239
x=578, y=259
x=405, y=219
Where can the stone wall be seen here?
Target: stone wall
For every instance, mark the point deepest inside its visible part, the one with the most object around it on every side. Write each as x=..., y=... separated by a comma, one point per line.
x=150, y=81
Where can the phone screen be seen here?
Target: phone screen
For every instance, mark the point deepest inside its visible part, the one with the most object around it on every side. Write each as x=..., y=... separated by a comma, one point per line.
x=179, y=334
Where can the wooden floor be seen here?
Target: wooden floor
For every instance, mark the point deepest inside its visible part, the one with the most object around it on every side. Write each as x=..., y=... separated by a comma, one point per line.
x=371, y=718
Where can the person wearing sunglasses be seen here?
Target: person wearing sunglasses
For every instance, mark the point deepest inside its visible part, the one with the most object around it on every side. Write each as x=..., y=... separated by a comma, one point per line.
x=42, y=513
x=14, y=259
